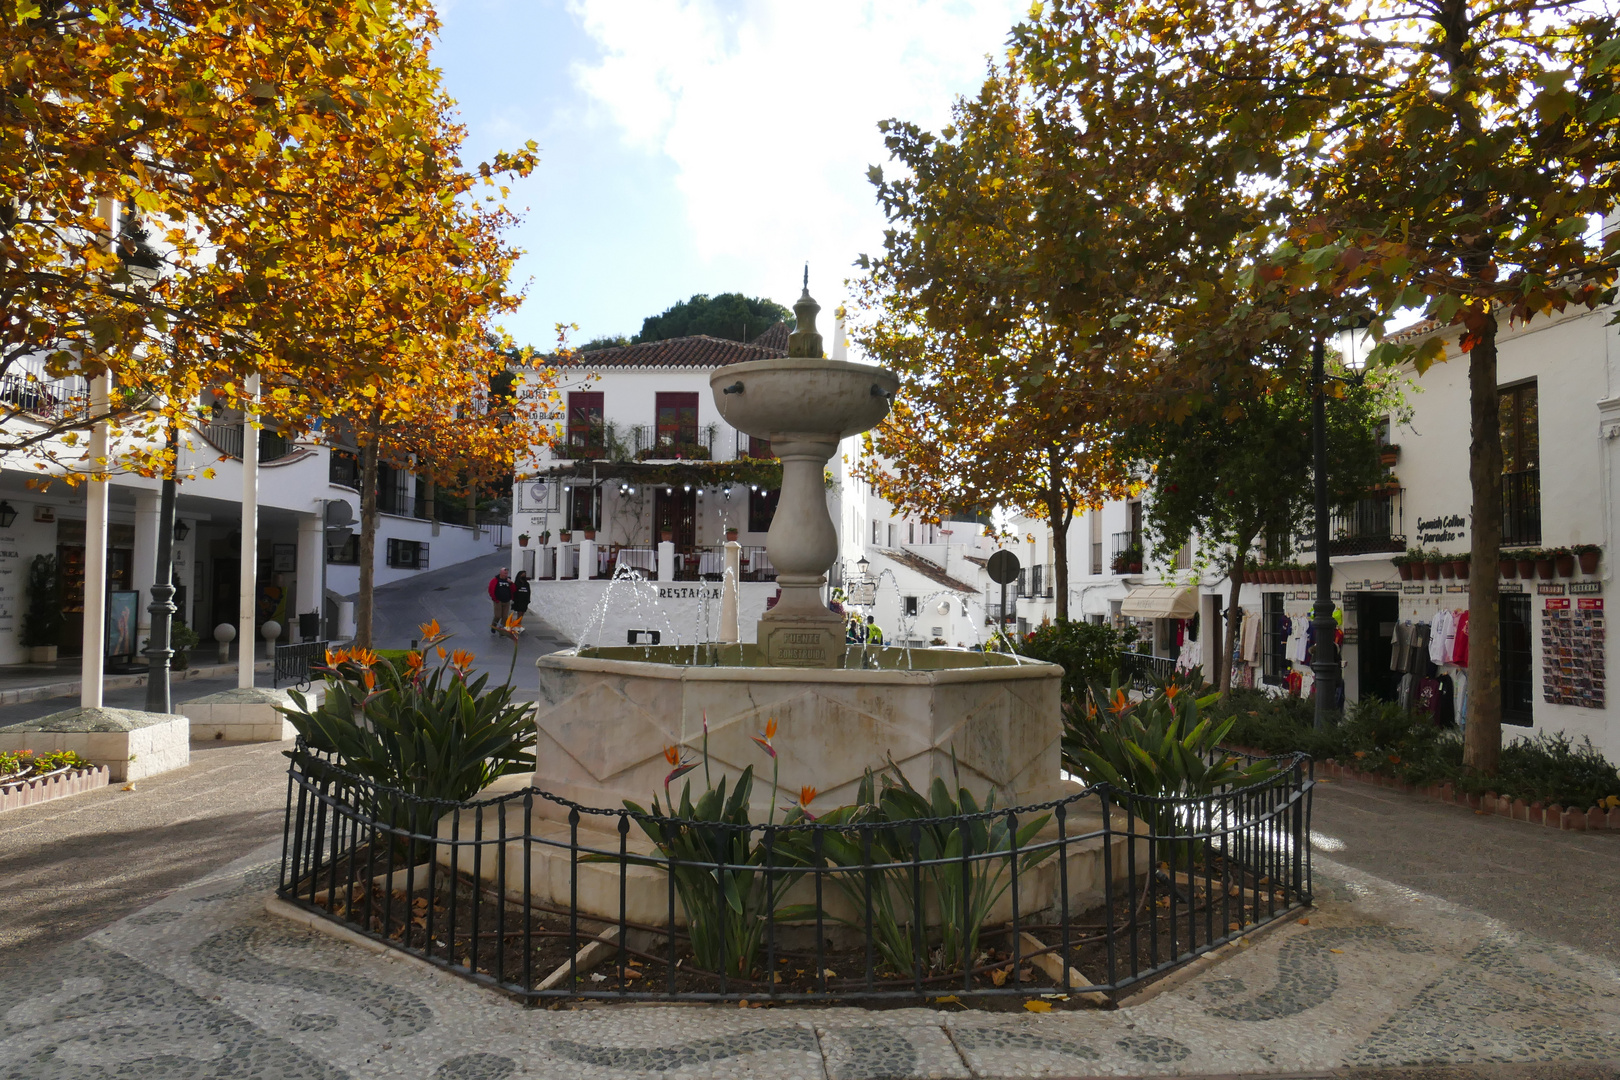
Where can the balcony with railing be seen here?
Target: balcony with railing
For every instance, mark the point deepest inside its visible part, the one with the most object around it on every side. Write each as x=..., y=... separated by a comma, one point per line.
x=226, y=437
x=1521, y=508
x=30, y=393
x=1373, y=524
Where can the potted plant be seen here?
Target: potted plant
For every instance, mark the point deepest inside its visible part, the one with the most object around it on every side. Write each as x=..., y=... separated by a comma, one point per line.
x=1403, y=566
x=1588, y=554
x=182, y=639
x=731, y=532
x=1526, y=558
x=42, y=624
x=1431, y=566
x=545, y=537
x=523, y=539
x=666, y=535
x=1507, y=565
x=565, y=535
x=1460, y=564
x=1447, y=570
x=1546, y=564
x=590, y=534
x=1564, y=559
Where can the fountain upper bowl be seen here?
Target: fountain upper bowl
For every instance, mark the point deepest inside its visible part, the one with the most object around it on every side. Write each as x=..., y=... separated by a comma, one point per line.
x=803, y=396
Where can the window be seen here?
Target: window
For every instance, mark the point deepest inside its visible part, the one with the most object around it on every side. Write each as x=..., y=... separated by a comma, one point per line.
x=911, y=532
x=910, y=606
x=1183, y=559
x=1521, y=464
x=1135, y=507
x=759, y=448
x=407, y=554
x=677, y=423
x=891, y=534
x=1035, y=573
x=876, y=526
x=1023, y=581
x=1096, y=542
x=761, y=509
x=584, y=507
x=586, y=424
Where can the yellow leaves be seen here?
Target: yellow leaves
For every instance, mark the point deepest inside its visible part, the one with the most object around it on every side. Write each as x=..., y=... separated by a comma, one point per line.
x=1038, y=1006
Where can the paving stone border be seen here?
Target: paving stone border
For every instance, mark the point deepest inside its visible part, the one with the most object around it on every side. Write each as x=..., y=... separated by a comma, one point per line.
x=30, y=792
x=1550, y=815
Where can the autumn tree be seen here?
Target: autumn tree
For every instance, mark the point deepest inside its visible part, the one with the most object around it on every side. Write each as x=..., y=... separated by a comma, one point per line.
x=1441, y=155
x=1000, y=403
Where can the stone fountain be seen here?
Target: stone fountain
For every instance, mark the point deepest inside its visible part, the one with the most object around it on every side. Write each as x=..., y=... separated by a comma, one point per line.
x=804, y=405
x=605, y=715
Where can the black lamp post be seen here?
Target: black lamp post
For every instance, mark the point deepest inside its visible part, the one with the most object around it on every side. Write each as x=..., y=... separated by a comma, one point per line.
x=1325, y=659
x=8, y=514
x=158, y=649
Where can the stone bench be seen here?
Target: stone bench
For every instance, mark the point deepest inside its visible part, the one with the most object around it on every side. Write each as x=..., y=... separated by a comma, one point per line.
x=130, y=743
x=245, y=714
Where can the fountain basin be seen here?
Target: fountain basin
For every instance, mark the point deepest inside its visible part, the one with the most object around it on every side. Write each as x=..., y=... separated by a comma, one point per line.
x=605, y=717
x=803, y=397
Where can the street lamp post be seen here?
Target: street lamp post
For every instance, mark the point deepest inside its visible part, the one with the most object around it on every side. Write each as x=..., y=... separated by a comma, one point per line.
x=158, y=650
x=1325, y=660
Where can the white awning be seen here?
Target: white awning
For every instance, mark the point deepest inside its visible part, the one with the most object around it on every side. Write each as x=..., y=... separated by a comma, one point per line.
x=1161, y=602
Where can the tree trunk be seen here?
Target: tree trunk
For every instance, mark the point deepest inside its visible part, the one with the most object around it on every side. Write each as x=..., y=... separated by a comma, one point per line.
x=1224, y=658
x=1482, y=741
x=368, y=542
x=1059, y=516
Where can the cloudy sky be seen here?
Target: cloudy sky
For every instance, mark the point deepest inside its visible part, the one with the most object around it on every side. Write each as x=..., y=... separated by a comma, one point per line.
x=701, y=145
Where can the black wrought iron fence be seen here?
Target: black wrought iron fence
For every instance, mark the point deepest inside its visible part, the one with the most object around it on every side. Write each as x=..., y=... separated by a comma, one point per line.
x=545, y=899
x=294, y=663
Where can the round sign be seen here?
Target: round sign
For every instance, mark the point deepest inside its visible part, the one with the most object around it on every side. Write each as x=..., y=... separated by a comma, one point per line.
x=1003, y=567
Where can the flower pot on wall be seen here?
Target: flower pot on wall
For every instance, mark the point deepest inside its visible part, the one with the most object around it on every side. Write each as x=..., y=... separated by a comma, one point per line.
x=1589, y=560
x=1431, y=570
x=565, y=535
x=1447, y=570
x=1527, y=567
x=1459, y=567
x=1507, y=567
x=590, y=534
x=1405, y=570
x=523, y=539
x=1565, y=561
x=1546, y=569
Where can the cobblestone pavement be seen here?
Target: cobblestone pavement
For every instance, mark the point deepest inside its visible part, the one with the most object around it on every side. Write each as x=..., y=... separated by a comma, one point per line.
x=206, y=983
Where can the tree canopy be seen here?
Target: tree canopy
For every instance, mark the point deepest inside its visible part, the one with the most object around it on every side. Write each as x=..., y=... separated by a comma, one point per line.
x=732, y=316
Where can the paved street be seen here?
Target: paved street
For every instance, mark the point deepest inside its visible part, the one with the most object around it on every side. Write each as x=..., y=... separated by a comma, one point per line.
x=166, y=961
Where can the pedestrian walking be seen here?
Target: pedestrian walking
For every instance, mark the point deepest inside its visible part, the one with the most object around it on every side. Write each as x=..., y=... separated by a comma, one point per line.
x=520, y=597
x=500, y=594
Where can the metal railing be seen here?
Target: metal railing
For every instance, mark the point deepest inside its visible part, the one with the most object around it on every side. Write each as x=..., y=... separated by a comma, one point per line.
x=1146, y=670
x=293, y=663
x=36, y=395
x=1521, y=508
x=1003, y=903
x=1376, y=523
x=227, y=439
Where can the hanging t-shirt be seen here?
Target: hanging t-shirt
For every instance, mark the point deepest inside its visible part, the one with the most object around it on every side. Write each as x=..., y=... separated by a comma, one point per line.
x=1459, y=647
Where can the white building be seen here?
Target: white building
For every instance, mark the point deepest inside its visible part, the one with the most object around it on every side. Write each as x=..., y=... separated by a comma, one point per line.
x=302, y=568
x=644, y=478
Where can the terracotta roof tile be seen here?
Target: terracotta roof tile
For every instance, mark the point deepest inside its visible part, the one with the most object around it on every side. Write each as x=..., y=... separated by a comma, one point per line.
x=776, y=337
x=698, y=351
x=927, y=568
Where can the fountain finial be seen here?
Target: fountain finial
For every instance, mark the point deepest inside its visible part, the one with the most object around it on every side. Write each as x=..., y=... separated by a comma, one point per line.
x=804, y=341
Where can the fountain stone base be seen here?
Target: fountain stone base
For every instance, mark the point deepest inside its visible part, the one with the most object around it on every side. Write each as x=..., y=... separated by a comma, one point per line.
x=975, y=720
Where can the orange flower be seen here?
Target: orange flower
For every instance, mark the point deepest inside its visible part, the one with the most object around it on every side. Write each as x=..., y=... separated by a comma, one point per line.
x=364, y=657
x=1171, y=691
x=414, y=661
x=672, y=754
x=1121, y=703
x=461, y=658
x=764, y=738
x=430, y=631
x=442, y=653
x=807, y=795
x=770, y=728
x=370, y=678
x=334, y=657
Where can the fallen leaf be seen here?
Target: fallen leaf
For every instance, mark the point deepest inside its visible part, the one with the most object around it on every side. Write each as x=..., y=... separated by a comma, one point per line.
x=829, y=973
x=948, y=999
x=1336, y=950
x=1304, y=922
x=999, y=976
x=1038, y=1006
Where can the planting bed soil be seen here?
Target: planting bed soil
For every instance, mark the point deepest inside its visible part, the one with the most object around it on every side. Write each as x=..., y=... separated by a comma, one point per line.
x=458, y=922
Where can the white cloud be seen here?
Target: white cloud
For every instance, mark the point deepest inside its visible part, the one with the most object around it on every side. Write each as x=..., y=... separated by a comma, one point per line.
x=769, y=111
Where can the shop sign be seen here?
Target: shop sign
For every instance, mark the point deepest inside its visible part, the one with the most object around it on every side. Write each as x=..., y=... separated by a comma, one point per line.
x=1437, y=590
x=1588, y=588
x=45, y=515
x=1441, y=529
x=1590, y=605
x=1550, y=588
x=1413, y=590
x=1456, y=588
x=1511, y=587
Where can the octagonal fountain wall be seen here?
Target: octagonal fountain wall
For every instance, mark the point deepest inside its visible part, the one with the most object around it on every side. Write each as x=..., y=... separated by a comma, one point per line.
x=605, y=718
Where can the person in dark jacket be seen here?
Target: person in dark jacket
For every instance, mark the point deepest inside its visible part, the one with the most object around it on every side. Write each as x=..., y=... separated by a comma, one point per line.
x=520, y=597
x=500, y=594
